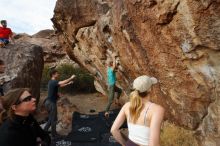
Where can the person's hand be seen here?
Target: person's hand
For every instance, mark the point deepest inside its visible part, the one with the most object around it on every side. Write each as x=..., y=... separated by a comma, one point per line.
x=114, y=55
x=70, y=82
x=59, y=95
x=43, y=143
x=73, y=76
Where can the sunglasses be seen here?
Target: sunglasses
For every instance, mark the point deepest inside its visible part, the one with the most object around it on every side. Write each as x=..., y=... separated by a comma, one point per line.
x=26, y=99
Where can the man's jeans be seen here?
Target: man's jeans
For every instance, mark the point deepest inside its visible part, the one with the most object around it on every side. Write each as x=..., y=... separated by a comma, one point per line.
x=52, y=119
x=5, y=41
x=112, y=89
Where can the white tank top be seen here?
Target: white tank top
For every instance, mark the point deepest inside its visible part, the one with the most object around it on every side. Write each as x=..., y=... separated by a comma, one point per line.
x=139, y=134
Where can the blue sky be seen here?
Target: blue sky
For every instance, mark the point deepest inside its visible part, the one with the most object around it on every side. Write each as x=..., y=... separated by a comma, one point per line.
x=27, y=16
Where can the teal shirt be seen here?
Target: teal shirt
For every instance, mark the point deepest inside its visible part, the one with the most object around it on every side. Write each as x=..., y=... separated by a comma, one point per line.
x=111, y=76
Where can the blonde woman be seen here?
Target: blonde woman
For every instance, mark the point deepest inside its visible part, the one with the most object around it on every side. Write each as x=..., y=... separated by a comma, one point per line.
x=144, y=118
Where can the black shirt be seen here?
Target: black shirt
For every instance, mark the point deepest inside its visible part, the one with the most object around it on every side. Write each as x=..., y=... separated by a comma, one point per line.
x=22, y=131
x=53, y=90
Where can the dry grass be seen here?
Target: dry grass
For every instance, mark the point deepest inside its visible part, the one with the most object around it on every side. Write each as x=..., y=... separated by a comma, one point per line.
x=172, y=135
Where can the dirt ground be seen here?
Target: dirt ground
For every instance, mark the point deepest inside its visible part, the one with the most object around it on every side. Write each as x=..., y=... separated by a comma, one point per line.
x=171, y=135
x=68, y=104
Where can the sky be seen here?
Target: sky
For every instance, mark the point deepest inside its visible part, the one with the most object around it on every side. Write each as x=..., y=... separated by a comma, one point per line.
x=27, y=16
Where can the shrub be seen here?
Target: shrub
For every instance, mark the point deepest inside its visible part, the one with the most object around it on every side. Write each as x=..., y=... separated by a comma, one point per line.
x=45, y=77
x=172, y=135
x=83, y=82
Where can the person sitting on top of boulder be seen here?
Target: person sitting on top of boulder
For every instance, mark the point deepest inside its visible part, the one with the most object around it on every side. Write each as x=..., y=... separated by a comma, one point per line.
x=5, y=34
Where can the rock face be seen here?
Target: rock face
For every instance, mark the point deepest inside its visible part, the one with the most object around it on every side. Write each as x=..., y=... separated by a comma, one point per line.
x=24, y=66
x=177, y=41
x=47, y=39
x=54, y=53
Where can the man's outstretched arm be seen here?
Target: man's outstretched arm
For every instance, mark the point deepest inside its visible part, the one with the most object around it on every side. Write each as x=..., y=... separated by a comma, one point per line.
x=66, y=82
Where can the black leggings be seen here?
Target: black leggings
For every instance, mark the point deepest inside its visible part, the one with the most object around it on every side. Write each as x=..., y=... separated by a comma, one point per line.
x=130, y=143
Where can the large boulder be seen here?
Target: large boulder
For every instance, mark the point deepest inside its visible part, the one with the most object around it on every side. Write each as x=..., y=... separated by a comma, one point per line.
x=177, y=41
x=48, y=40
x=24, y=65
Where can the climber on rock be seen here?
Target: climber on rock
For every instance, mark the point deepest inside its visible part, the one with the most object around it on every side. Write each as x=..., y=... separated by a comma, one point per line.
x=5, y=34
x=112, y=88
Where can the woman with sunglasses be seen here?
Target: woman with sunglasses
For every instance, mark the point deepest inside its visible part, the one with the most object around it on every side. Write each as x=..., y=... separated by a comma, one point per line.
x=18, y=126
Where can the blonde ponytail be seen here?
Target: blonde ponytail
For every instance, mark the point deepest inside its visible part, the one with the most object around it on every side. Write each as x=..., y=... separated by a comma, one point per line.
x=136, y=106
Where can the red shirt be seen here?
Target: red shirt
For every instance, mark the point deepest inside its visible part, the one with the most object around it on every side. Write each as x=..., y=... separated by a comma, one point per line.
x=5, y=33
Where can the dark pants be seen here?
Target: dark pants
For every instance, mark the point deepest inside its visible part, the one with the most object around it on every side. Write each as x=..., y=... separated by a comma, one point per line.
x=111, y=93
x=52, y=119
x=1, y=94
x=5, y=41
x=1, y=91
x=130, y=143
x=1, y=106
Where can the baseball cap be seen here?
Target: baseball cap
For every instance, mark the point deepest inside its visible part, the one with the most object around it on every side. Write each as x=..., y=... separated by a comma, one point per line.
x=143, y=83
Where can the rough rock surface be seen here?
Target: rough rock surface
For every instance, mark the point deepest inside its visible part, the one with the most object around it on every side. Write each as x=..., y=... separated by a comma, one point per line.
x=176, y=41
x=24, y=65
x=48, y=40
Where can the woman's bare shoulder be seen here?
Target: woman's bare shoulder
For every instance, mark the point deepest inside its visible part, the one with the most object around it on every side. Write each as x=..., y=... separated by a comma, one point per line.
x=126, y=105
x=156, y=108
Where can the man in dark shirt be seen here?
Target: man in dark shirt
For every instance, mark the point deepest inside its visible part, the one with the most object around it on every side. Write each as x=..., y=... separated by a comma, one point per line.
x=52, y=98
